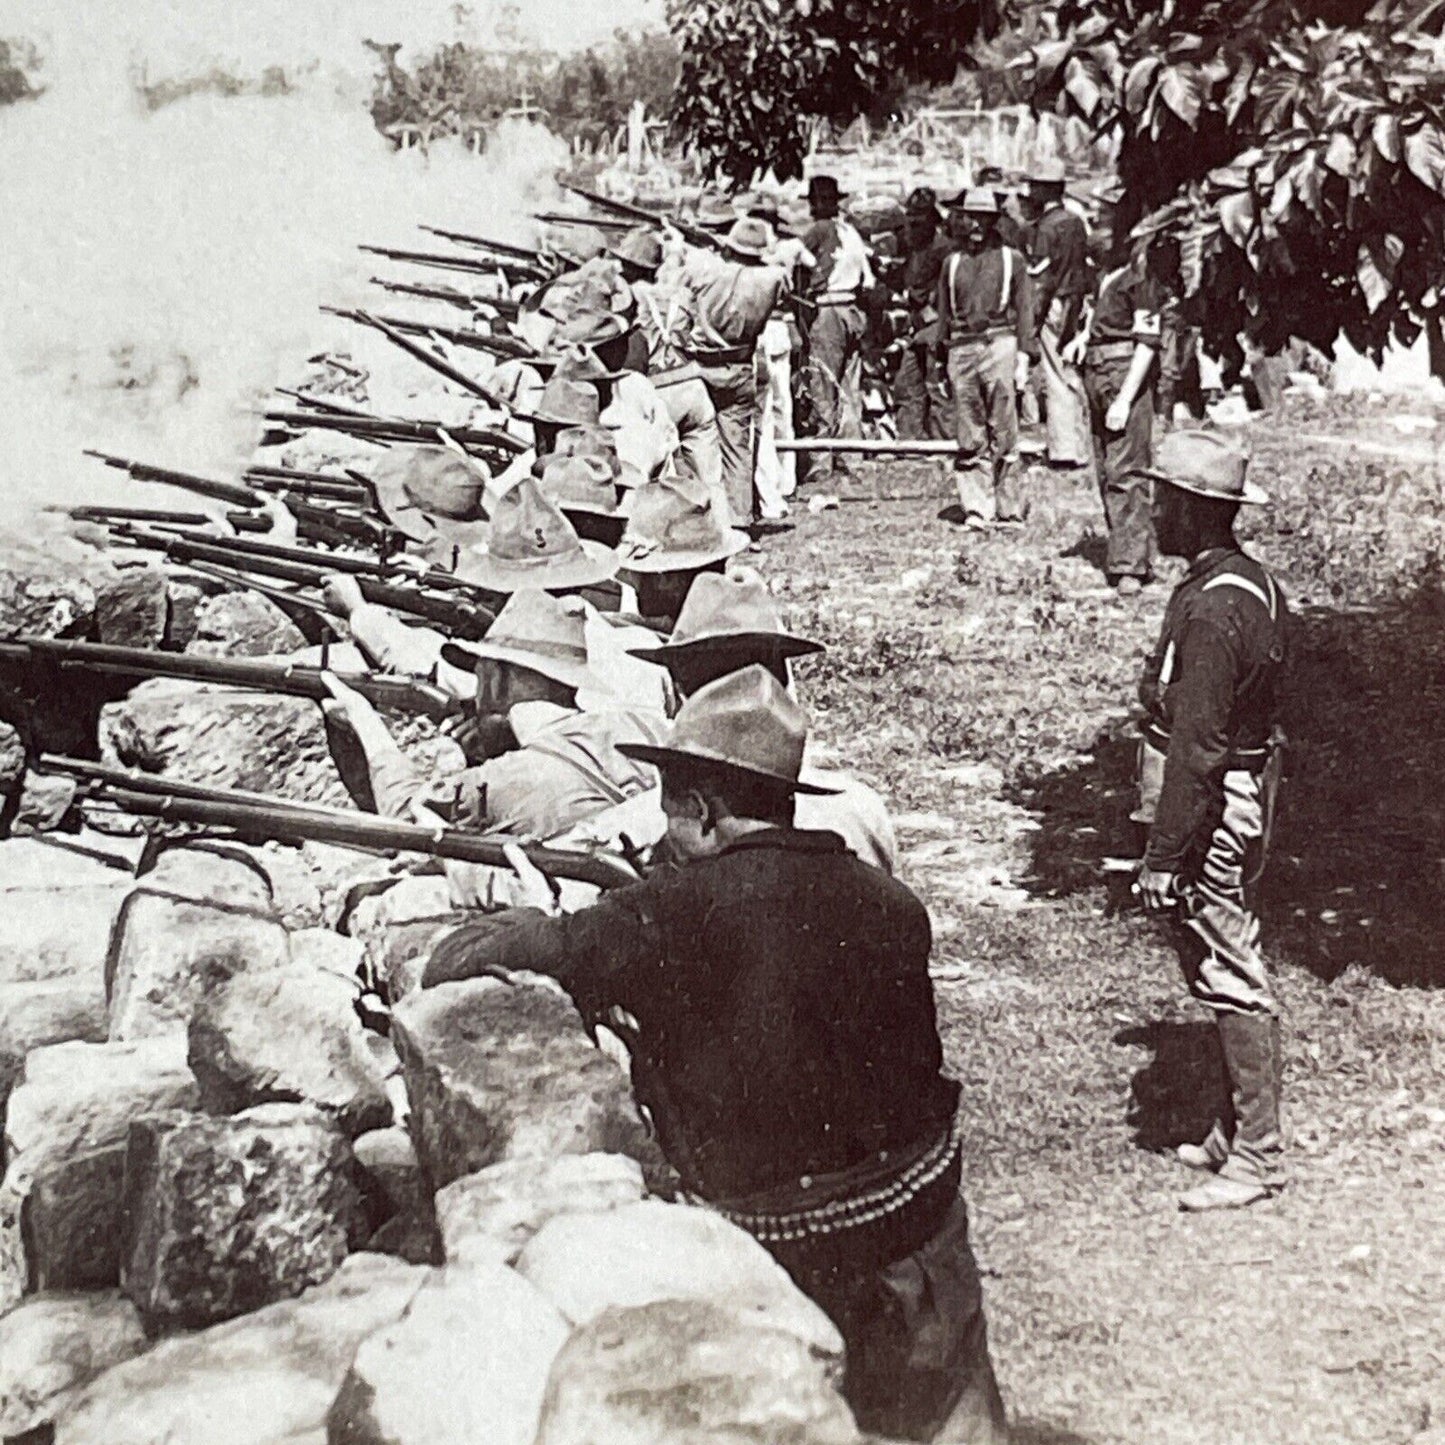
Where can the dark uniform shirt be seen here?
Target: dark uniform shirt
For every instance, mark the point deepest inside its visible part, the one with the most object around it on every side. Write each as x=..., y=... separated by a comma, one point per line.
x=1128, y=308
x=786, y=1019
x=1060, y=257
x=983, y=293
x=918, y=284
x=1209, y=690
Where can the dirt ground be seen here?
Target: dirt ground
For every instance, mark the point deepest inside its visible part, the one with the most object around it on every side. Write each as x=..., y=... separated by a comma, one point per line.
x=984, y=683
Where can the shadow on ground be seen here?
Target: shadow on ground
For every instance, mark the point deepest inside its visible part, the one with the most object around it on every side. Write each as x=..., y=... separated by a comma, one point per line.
x=1028, y=1432
x=1178, y=1094
x=1093, y=547
x=1358, y=859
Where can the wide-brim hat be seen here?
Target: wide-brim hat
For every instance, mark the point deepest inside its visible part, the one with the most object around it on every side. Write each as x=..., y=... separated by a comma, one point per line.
x=1046, y=171
x=641, y=247
x=1206, y=465
x=735, y=614
x=746, y=723
x=591, y=328
x=424, y=490
x=749, y=237
x=579, y=362
x=975, y=201
x=578, y=483
x=531, y=544
x=565, y=401
x=533, y=630
x=676, y=524
x=714, y=213
x=825, y=188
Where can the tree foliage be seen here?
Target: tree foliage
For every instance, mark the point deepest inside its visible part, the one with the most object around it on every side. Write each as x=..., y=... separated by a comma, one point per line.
x=756, y=72
x=1296, y=150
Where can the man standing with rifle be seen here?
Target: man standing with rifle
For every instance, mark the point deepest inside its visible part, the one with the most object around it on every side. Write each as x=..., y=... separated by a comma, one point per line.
x=787, y=1048
x=1210, y=764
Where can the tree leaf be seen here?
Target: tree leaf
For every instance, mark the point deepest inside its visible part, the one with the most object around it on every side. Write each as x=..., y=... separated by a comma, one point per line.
x=1386, y=135
x=1375, y=285
x=1340, y=154
x=1083, y=89
x=1139, y=83
x=1180, y=90
x=1239, y=90
x=1425, y=156
x=1236, y=215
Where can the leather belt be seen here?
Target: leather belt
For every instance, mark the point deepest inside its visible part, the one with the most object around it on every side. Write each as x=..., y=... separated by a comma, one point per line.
x=1238, y=759
x=725, y=356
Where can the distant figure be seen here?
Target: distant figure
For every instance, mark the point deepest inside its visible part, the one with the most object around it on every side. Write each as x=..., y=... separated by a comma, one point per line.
x=919, y=405
x=1209, y=771
x=1060, y=271
x=986, y=321
x=840, y=273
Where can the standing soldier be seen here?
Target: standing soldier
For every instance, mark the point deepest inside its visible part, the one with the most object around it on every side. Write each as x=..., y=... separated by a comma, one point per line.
x=986, y=325
x=833, y=286
x=1060, y=272
x=919, y=408
x=733, y=295
x=1209, y=773
x=1121, y=365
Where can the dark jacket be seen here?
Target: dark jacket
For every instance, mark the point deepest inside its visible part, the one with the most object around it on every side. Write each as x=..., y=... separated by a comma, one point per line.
x=785, y=1014
x=1209, y=689
x=1060, y=266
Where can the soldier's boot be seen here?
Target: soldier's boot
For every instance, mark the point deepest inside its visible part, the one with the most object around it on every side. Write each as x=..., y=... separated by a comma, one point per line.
x=1210, y=1155
x=1253, y=1171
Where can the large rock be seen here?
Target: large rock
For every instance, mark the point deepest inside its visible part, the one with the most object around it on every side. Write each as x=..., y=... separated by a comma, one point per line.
x=66, y=1126
x=59, y=906
x=184, y=601
x=499, y=1209
x=641, y=1253
x=197, y=919
x=226, y=738
x=131, y=607
x=497, y=1071
x=691, y=1373
x=52, y=1011
x=263, y=1379
x=398, y=1201
x=47, y=583
x=468, y=1363
x=54, y=1343
x=227, y=1215
x=244, y=624
x=288, y=1036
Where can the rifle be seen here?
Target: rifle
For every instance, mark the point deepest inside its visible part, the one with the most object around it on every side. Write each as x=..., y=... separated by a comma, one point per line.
x=501, y=248
x=477, y=340
x=459, y=299
x=641, y=216
x=201, y=486
x=352, y=479
x=135, y=664
x=320, y=403
x=442, y=367
x=259, y=816
x=314, y=619
x=241, y=521
x=600, y=223
x=386, y=429
x=465, y=619
x=335, y=489
x=473, y=266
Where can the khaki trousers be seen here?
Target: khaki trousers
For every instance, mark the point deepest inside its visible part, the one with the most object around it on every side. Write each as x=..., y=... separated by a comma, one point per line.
x=986, y=427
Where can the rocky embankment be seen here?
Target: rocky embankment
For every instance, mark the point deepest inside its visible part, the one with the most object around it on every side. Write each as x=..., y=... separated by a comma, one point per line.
x=257, y=1187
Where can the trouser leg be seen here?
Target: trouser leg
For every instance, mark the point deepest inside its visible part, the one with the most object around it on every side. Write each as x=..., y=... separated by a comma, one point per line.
x=910, y=395
x=699, y=448
x=734, y=395
x=1001, y=401
x=1067, y=406
x=1227, y=972
x=768, y=475
x=973, y=466
x=1123, y=459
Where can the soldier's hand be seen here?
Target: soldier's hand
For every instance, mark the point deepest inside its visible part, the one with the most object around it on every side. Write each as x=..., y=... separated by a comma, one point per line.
x=1021, y=372
x=342, y=593
x=532, y=889
x=1155, y=890
x=1117, y=417
x=1073, y=350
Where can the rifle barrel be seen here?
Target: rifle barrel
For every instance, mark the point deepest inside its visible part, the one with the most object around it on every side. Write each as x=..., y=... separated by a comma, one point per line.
x=201, y=486
x=438, y=364
x=293, y=679
x=283, y=821
x=501, y=248
x=472, y=264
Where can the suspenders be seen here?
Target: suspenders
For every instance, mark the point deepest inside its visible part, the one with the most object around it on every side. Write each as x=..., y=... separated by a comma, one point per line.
x=1007, y=254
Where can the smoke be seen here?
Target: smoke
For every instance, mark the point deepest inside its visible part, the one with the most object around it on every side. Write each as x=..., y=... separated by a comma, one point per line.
x=163, y=267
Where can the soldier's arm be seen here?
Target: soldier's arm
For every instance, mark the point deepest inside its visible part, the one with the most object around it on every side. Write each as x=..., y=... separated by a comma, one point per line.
x=1024, y=306
x=1200, y=703
x=607, y=954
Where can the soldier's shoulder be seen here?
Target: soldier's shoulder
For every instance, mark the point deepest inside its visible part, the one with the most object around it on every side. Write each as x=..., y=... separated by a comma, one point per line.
x=1241, y=587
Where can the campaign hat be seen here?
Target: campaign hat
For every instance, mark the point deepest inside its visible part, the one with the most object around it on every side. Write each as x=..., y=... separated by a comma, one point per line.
x=1207, y=465
x=744, y=723
x=736, y=614
x=534, y=630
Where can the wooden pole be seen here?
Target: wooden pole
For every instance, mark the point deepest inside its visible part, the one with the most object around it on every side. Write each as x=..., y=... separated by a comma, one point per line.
x=871, y=446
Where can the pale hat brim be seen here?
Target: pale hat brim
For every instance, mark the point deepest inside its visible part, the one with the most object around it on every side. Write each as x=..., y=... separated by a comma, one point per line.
x=495, y=574
x=663, y=757
x=1251, y=496
x=466, y=655
x=663, y=560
